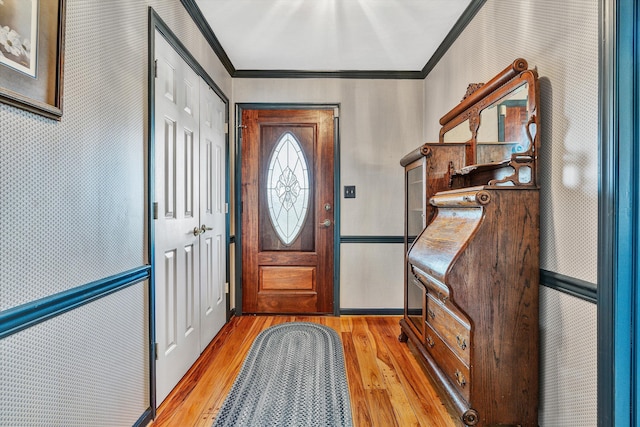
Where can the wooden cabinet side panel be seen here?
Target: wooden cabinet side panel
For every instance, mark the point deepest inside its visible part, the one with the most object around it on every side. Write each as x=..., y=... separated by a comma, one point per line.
x=495, y=282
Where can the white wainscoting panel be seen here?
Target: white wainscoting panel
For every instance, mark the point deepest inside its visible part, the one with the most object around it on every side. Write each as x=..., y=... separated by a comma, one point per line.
x=371, y=276
x=568, y=361
x=87, y=367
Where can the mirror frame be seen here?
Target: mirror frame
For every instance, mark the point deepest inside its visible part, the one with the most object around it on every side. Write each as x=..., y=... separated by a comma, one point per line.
x=480, y=96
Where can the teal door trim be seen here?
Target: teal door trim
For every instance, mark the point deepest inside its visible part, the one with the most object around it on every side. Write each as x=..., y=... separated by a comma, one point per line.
x=618, y=216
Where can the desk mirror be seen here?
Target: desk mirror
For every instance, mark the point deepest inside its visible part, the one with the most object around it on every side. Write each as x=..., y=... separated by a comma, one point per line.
x=498, y=121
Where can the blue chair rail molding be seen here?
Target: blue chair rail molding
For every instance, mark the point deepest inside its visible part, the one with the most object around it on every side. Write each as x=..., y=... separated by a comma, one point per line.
x=27, y=315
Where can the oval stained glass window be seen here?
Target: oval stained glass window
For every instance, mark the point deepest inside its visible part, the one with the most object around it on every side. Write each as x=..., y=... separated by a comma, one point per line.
x=288, y=188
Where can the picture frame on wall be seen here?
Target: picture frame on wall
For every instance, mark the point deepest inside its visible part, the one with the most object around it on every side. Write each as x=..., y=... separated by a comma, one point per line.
x=32, y=55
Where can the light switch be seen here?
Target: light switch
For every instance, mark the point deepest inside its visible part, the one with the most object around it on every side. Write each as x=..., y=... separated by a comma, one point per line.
x=349, y=191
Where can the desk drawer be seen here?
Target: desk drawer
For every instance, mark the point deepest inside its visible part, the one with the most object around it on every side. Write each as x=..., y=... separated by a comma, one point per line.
x=453, y=368
x=453, y=330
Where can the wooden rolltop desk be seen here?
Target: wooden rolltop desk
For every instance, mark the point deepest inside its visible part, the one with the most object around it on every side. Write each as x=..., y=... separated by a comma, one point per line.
x=472, y=252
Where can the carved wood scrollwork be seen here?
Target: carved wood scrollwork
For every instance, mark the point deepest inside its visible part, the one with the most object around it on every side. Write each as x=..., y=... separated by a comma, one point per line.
x=474, y=122
x=523, y=163
x=471, y=89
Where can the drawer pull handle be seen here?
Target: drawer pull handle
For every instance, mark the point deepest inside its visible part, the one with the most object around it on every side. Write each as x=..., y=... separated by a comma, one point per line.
x=430, y=341
x=462, y=343
x=460, y=378
x=431, y=313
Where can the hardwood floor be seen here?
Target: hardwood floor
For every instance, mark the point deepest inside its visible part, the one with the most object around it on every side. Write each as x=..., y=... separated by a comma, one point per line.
x=387, y=385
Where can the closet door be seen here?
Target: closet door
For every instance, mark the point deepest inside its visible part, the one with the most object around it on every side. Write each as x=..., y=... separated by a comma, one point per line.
x=177, y=227
x=213, y=303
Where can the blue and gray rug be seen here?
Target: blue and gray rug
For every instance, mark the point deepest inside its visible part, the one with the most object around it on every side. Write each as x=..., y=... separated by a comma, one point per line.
x=293, y=376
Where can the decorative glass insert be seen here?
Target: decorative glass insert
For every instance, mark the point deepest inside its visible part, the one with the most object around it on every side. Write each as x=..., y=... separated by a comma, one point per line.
x=288, y=188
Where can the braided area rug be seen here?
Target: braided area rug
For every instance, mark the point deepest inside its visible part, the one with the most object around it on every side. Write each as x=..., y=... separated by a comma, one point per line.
x=293, y=375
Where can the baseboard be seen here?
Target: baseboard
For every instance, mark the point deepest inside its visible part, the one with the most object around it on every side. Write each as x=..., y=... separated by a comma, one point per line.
x=144, y=419
x=372, y=311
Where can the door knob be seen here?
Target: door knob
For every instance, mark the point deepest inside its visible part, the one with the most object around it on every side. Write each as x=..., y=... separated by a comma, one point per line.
x=326, y=223
x=196, y=231
x=204, y=228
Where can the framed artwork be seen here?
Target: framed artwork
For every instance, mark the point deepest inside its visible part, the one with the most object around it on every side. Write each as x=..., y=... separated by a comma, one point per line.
x=32, y=55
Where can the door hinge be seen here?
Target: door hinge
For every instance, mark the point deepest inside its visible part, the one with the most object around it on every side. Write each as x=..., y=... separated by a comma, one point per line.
x=226, y=208
x=155, y=350
x=155, y=210
x=226, y=287
x=226, y=128
x=155, y=68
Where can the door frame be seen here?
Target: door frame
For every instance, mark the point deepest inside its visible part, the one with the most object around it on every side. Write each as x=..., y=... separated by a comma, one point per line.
x=156, y=23
x=238, y=193
x=618, y=305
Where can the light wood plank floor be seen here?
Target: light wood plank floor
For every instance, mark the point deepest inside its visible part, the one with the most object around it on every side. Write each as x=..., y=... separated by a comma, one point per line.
x=387, y=385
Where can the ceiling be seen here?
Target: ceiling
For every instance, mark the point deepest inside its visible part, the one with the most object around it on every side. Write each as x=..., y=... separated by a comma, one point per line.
x=328, y=35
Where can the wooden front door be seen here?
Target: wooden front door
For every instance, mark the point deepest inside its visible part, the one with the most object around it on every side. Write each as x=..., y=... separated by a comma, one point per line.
x=287, y=211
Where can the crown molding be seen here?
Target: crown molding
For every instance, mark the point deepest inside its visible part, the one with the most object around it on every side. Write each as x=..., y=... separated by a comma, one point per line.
x=346, y=74
x=464, y=20
x=196, y=14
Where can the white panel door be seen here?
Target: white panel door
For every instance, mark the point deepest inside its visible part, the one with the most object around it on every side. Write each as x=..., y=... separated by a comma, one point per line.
x=177, y=254
x=213, y=306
